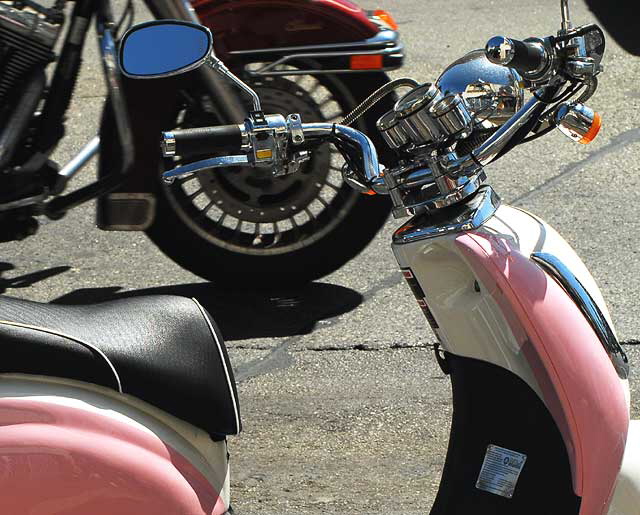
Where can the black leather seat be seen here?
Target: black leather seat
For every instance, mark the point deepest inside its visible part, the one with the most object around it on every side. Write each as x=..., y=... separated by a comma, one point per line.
x=165, y=350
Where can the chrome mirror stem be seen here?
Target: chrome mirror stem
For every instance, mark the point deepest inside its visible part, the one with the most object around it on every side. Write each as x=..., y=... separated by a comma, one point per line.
x=566, y=20
x=219, y=66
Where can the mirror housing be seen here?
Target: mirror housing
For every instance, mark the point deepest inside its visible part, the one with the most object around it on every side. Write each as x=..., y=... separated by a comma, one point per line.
x=162, y=48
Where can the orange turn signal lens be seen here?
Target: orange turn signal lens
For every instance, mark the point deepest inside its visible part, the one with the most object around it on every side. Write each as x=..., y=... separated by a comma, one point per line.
x=578, y=122
x=593, y=131
x=386, y=17
x=365, y=62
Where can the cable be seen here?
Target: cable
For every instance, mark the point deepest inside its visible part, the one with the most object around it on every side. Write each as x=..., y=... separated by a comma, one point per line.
x=566, y=94
x=372, y=99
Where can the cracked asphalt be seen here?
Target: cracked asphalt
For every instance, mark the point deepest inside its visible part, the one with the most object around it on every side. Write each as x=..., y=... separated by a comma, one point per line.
x=345, y=410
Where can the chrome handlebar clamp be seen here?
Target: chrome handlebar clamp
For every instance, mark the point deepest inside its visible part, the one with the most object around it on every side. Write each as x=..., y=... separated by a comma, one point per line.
x=422, y=124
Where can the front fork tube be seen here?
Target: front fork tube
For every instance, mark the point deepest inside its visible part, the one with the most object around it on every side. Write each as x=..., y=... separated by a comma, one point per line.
x=226, y=102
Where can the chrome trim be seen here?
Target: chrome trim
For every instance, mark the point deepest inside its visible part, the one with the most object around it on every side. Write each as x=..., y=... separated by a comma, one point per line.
x=87, y=152
x=218, y=65
x=215, y=162
x=168, y=144
x=500, y=50
x=566, y=17
x=384, y=38
x=314, y=71
x=392, y=133
x=561, y=273
x=487, y=152
x=294, y=123
x=492, y=93
x=574, y=120
x=352, y=139
x=474, y=214
x=269, y=68
x=458, y=189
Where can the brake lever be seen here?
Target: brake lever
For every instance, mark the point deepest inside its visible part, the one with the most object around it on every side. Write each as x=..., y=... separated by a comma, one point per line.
x=215, y=162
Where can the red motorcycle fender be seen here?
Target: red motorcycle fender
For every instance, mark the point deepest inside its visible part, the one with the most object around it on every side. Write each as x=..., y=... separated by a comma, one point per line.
x=249, y=24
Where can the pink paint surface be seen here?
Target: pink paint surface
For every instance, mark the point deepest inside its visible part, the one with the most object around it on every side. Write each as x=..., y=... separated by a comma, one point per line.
x=577, y=379
x=61, y=460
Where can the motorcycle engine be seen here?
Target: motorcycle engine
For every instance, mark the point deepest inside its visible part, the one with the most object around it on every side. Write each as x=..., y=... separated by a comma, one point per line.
x=27, y=37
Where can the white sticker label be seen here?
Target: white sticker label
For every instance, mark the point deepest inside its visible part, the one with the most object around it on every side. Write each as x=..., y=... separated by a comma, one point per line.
x=500, y=471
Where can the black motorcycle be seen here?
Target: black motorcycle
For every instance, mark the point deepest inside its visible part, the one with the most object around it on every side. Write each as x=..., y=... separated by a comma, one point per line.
x=230, y=226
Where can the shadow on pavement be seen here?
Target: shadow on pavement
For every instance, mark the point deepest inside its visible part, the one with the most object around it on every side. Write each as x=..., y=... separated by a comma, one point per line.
x=242, y=314
x=26, y=280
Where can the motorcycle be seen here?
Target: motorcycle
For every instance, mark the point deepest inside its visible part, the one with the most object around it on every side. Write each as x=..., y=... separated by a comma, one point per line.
x=304, y=67
x=540, y=381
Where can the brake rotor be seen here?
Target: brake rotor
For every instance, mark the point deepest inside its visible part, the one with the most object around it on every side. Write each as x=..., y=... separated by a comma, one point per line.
x=254, y=194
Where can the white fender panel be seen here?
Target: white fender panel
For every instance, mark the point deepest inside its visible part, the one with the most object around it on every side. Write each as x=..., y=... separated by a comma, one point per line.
x=626, y=496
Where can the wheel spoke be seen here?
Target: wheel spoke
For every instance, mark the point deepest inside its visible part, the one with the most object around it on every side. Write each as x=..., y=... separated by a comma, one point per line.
x=315, y=88
x=312, y=217
x=196, y=193
x=326, y=101
x=183, y=180
x=206, y=209
x=222, y=218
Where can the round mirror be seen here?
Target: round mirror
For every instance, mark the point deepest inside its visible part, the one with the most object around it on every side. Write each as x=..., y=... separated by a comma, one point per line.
x=163, y=48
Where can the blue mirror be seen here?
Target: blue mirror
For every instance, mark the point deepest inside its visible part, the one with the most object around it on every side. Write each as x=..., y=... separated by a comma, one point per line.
x=164, y=48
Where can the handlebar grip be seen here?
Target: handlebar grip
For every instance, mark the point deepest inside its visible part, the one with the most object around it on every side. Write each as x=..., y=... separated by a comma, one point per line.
x=202, y=140
x=525, y=56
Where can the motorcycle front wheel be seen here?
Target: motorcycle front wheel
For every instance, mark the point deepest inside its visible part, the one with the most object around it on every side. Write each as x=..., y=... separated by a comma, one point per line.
x=242, y=226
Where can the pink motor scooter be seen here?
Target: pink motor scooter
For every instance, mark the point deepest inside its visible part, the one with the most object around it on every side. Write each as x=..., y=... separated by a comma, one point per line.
x=116, y=408
x=540, y=383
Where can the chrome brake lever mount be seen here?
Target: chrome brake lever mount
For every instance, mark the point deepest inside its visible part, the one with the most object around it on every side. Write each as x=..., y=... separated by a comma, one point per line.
x=267, y=142
x=269, y=139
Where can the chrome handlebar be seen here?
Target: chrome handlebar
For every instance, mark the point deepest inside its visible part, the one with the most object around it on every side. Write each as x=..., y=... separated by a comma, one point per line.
x=356, y=146
x=431, y=175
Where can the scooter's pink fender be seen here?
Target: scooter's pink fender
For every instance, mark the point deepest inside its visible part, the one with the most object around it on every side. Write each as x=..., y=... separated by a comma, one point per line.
x=513, y=336
x=65, y=458
x=578, y=381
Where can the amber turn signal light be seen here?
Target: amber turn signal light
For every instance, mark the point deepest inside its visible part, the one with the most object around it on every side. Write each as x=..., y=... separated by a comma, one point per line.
x=593, y=131
x=386, y=18
x=578, y=122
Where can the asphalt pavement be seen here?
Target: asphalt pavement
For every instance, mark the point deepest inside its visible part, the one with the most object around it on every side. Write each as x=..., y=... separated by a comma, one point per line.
x=345, y=409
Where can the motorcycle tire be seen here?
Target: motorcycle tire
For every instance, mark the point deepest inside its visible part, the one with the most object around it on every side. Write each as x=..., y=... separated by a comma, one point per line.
x=318, y=223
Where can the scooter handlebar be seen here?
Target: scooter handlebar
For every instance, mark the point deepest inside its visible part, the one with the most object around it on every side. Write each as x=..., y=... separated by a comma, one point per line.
x=201, y=140
x=527, y=57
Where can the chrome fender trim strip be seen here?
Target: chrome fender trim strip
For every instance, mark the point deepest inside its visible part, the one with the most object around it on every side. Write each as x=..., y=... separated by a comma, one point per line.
x=561, y=273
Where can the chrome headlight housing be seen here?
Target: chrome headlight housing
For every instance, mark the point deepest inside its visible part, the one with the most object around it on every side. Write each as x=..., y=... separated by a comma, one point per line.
x=491, y=92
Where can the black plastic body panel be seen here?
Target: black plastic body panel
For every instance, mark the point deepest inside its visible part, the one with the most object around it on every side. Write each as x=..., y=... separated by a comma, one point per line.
x=493, y=406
